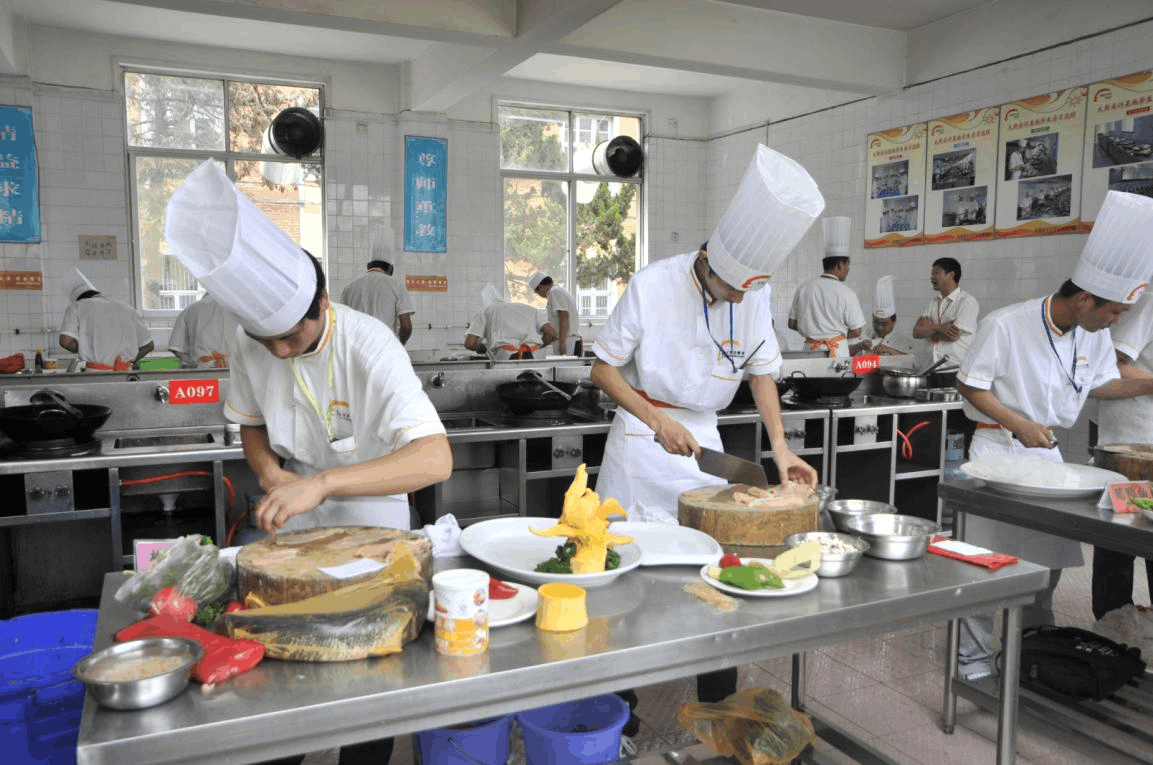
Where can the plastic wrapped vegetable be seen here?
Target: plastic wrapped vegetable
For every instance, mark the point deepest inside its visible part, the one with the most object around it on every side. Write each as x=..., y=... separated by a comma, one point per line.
x=755, y=725
x=192, y=567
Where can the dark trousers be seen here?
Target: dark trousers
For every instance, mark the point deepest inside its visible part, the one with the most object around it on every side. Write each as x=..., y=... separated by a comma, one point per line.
x=711, y=687
x=366, y=753
x=1113, y=579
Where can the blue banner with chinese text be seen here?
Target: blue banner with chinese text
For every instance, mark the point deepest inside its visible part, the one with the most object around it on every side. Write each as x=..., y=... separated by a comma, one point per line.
x=19, y=189
x=425, y=191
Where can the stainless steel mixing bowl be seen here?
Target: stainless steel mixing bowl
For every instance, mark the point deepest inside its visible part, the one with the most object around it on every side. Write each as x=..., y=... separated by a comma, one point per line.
x=893, y=537
x=140, y=692
x=843, y=509
x=833, y=564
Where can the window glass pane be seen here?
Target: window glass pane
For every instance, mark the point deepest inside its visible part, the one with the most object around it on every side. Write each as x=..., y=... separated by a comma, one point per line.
x=533, y=139
x=165, y=283
x=293, y=202
x=606, y=240
x=252, y=105
x=535, y=232
x=174, y=112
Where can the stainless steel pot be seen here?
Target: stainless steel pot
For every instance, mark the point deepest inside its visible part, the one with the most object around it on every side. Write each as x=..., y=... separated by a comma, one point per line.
x=900, y=383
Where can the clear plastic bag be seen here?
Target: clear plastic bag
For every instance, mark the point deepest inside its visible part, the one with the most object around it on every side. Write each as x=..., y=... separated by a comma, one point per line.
x=755, y=725
x=192, y=565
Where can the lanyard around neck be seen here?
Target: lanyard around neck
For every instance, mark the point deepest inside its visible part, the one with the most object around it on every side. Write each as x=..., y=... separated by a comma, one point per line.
x=705, y=305
x=324, y=415
x=1071, y=375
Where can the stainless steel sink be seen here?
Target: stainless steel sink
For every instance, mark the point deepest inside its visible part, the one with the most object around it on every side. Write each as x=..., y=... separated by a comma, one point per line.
x=137, y=442
x=459, y=422
x=169, y=439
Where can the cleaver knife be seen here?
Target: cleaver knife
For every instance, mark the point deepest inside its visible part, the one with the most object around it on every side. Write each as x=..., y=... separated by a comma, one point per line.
x=733, y=469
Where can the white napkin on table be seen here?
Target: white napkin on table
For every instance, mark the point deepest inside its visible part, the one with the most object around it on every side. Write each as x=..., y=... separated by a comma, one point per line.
x=445, y=536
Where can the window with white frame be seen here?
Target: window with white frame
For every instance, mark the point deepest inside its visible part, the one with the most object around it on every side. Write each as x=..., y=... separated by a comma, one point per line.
x=562, y=217
x=176, y=121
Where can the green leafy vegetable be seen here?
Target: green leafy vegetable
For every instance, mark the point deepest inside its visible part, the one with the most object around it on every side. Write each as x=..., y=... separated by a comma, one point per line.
x=562, y=562
x=1141, y=502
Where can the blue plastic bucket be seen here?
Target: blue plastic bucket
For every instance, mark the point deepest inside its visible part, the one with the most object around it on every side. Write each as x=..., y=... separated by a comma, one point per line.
x=585, y=731
x=484, y=742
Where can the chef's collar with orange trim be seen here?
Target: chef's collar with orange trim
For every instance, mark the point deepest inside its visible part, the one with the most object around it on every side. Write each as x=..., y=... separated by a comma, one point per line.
x=701, y=289
x=329, y=332
x=1057, y=331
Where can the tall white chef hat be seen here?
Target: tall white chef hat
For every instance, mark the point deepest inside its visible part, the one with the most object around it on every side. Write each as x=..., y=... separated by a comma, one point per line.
x=238, y=254
x=774, y=206
x=382, y=244
x=491, y=295
x=76, y=284
x=535, y=280
x=836, y=232
x=884, y=304
x=1117, y=261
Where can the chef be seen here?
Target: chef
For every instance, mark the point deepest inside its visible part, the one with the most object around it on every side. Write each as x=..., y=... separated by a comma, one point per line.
x=1031, y=367
x=378, y=293
x=105, y=333
x=507, y=330
x=885, y=340
x=333, y=420
x=949, y=320
x=202, y=335
x=684, y=333
x=825, y=310
x=562, y=313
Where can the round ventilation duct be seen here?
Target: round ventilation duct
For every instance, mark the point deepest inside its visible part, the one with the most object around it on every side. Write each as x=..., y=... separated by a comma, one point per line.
x=622, y=157
x=295, y=132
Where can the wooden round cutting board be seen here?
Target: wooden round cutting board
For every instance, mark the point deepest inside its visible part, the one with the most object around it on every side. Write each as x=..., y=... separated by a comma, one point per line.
x=285, y=568
x=1134, y=461
x=713, y=510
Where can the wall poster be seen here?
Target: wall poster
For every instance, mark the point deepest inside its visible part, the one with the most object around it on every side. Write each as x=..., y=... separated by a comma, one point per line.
x=1039, y=164
x=19, y=184
x=961, y=176
x=896, y=187
x=1118, y=141
x=425, y=190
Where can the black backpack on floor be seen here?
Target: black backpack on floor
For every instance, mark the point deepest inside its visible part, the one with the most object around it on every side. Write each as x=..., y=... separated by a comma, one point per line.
x=1076, y=663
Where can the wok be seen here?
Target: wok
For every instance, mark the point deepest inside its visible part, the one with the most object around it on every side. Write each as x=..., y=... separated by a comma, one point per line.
x=818, y=387
x=528, y=396
x=50, y=422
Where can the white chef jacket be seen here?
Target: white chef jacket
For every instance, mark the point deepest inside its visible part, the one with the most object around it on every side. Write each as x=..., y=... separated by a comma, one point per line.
x=1011, y=356
x=378, y=294
x=658, y=338
x=898, y=341
x=376, y=400
x=826, y=307
x=960, y=308
x=104, y=329
x=507, y=324
x=559, y=299
x=204, y=331
x=1130, y=420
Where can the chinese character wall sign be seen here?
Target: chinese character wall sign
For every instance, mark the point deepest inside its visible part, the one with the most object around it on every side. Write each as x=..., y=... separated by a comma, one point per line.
x=19, y=189
x=425, y=192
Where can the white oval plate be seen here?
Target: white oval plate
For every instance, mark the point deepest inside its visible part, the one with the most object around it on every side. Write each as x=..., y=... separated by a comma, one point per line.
x=663, y=544
x=792, y=586
x=506, y=545
x=1147, y=513
x=504, y=611
x=1089, y=482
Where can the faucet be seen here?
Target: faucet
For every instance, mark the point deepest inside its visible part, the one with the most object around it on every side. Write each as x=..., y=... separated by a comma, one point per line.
x=842, y=366
x=437, y=380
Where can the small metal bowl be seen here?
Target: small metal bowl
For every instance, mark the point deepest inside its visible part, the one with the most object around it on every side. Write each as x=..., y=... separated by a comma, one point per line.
x=893, y=537
x=843, y=509
x=96, y=669
x=832, y=564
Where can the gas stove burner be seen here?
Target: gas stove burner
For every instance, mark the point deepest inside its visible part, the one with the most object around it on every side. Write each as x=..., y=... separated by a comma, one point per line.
x=47, y=449
x=820, y=402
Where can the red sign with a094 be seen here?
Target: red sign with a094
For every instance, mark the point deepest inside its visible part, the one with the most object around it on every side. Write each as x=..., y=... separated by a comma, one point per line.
x=193, y=391
x=863, y=365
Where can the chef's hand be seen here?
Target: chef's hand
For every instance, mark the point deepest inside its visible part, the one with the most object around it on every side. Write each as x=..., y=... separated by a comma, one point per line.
x=790, y=467
x=1034, y=435
x=674, y=438
x=280, y=504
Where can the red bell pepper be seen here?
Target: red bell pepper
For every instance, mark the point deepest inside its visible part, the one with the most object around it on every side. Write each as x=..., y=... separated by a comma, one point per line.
x=224, y=657
x=169, y=600
x=730, y=560
x=498, y=590
x=233, y=606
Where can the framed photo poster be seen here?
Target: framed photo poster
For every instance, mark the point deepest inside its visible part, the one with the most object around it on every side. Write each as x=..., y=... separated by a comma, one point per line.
x=425, y=192
x=961, y=175
x=1118, y=141
x=896, y=187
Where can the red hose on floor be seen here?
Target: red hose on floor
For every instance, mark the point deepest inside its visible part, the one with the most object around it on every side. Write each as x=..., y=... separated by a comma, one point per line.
x=170, y=476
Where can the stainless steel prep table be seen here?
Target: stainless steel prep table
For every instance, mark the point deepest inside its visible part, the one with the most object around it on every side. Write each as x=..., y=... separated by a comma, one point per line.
x=643, y=629
x=1121, y=722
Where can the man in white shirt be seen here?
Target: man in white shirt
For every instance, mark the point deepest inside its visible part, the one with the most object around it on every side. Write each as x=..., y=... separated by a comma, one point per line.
x=106, y=334
x=378, y=293
x=826, y=311
x=1016, y=161
x=203, y=334
x=1030, y=368
x=562, y=313
x=948, y=322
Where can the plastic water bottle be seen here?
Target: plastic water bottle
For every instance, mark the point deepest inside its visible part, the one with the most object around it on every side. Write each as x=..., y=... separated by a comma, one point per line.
x=954, y=456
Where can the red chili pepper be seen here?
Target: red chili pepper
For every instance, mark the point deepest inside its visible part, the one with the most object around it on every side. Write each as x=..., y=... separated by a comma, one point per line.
x=234, y=605
x=730, y=560
x=170, y=601
x=498, y=590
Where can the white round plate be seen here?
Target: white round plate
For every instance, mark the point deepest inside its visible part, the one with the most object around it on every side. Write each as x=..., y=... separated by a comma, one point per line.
x=792, y=586
x=506, y=545
x=663, y=544
x=1147, y=513
x=504, y=611
x=1085, y=480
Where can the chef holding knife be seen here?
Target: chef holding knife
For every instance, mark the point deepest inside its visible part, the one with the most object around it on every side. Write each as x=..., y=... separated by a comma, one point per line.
x=684, y=333
x=1031, y=367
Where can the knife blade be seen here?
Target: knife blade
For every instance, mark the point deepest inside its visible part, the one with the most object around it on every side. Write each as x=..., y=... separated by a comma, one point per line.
x=732, y=468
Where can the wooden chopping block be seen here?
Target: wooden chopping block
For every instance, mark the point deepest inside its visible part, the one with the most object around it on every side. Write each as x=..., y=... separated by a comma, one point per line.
x=286, y=567
x=713, y=510
x=1134, y=461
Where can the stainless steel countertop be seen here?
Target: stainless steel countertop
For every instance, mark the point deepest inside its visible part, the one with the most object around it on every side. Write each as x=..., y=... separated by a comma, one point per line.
x=642, y=629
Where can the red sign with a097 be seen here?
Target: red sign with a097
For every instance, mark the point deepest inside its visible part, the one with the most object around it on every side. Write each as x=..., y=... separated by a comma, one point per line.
x=193, y=391
x=863, y=365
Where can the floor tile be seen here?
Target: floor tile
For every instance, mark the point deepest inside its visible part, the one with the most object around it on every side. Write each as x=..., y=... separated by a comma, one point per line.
x=928, y=688
x=880, y=659
x=928, y=744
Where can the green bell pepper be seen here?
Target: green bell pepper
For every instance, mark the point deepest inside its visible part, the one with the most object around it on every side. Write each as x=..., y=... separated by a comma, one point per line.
x=751, y=577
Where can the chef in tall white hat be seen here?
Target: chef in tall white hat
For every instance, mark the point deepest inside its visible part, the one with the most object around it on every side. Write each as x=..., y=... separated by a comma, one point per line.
x=504, y=330
x=825, y=310
x=562, y=312
x=1029, y=370
x=379, y=292
x=886, y=340
x=104, y=333
x=685, y=333
x=327, y=389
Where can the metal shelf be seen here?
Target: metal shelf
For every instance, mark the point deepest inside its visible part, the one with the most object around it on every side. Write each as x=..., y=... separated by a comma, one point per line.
x=568, y=472
x=899, y=476
x=878, y=446
x=71, y=515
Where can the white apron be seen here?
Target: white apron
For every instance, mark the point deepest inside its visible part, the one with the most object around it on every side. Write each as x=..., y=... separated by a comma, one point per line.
x=1034, y=546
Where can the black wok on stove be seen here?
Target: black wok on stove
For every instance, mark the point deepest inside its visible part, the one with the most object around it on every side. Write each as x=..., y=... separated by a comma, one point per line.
x=528, y=396
x=52, y=421
x=819, y=387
